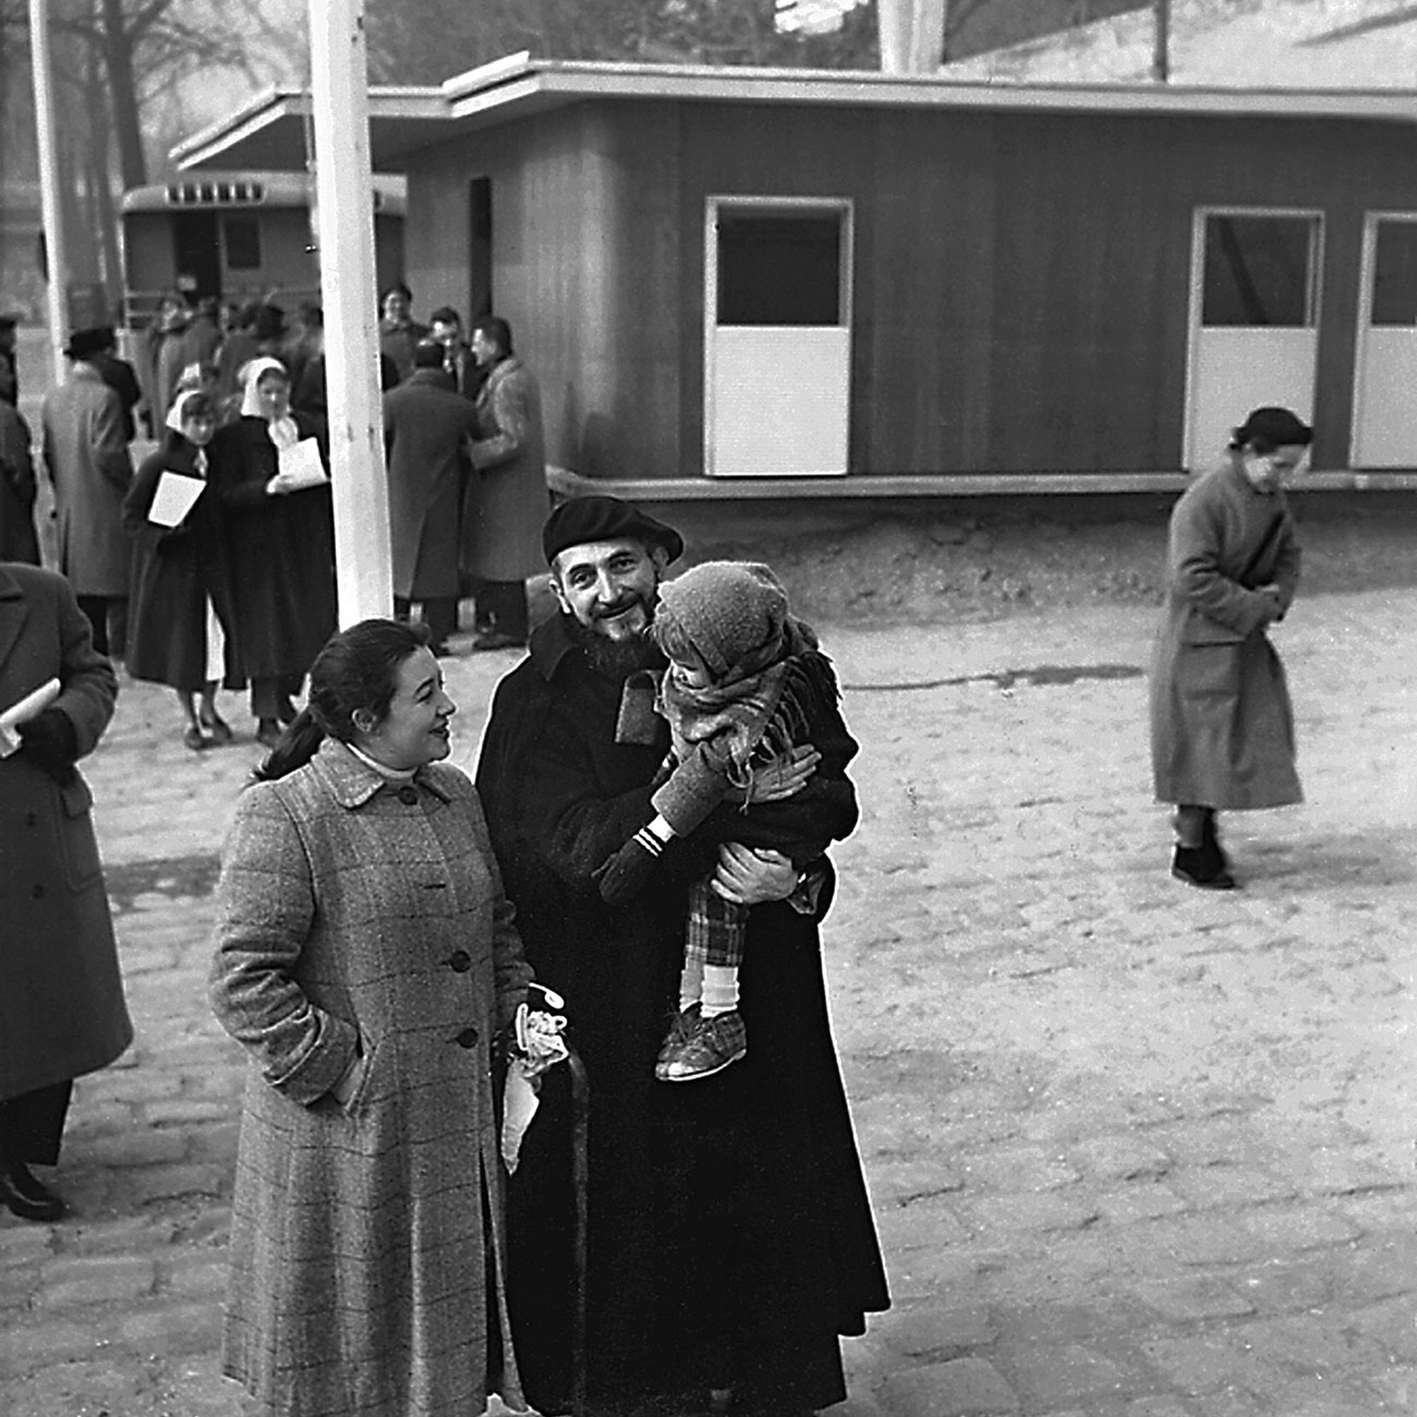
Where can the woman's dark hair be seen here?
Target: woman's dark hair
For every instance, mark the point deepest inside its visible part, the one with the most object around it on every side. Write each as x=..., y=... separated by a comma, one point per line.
x=1269, y=428
x=357, y=669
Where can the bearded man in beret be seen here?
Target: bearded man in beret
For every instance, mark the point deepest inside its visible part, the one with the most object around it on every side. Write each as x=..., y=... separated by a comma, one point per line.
x=731, y=1241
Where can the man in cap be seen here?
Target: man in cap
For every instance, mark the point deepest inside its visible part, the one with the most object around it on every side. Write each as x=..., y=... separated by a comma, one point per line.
x=731, y=1241
x=1222, y=727
x=9, y=371
x=86, y=457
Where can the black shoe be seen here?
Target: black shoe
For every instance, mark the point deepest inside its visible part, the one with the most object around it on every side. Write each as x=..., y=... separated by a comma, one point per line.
x=25, y=1196
x=268, y=732
x=1206, y=869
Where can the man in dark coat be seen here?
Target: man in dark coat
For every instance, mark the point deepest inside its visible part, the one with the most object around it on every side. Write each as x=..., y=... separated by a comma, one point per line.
x=86, y=456
x=62, y=1012
x=731, y=1240
x=18, y=540
x=122, y=378
x=9, y=372
x=426, y=423
x=1222, y=727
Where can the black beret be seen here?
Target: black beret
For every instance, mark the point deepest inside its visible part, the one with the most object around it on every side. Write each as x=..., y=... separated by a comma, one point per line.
x=582, y=520
x=84, y=344
x=1275, y=428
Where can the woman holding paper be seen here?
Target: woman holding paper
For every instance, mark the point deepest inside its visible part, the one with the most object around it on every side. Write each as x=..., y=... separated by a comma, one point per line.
x=367, y=959
x=269, y=469
x=62, y=1012
x=183, y=614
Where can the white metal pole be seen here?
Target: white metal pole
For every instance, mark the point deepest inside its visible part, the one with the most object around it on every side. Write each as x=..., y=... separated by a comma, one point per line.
x=51, y=207
x=339, y=75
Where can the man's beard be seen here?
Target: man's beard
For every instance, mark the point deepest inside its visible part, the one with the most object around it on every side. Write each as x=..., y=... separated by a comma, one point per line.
x=615, y=659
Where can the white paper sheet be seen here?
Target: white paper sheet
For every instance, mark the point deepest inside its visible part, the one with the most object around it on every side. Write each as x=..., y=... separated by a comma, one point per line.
x=22, y=711
x=175, y=496
x=300, y=466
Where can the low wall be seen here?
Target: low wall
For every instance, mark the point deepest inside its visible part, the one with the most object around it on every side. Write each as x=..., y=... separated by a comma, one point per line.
x=981, y=558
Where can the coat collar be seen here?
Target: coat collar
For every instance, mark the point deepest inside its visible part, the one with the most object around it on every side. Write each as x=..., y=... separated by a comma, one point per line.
x=352, y=783
x=433, y=378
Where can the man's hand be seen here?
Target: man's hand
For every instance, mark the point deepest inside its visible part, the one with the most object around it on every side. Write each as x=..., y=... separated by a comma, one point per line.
x=752, y=876
x=785, y=776
x=1276, y=597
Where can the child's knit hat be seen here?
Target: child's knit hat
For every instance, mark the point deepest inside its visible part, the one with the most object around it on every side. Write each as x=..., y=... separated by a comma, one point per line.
x=728, y=609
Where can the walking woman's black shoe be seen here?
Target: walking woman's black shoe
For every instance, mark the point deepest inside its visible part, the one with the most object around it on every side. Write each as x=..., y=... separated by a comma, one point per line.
x=1203, y=867
x=25, y=1196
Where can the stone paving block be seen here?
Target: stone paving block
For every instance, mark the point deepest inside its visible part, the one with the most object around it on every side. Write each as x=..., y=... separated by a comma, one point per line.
x=903, y=1182
x=92, y=1116
x=1292, y=1283
x=926, y=1330
x=1192, y=1240
x=139, y=1146
x=1046, y=1377
x=1120, y=1157
x=1337, y=1170
x=96, y=1388
x=1015, y=1169
x=181, y=1111
x=1194, y=1298
x=23, y=1244
x=1308, y=1343
x=143, y=1084
x=926, y=1223
x=1213, y=1187
x=1159, y=1406
x=1381, y=1210
x=1231, y=1402
x=1397, y=1386
x=194, y=1387
x=964, y=1387
x=1376, y=1267
x=184, y=1326
x=1392, y=1324
x=1199, y=1362
x=1028, y=1211
x=195, y=1275
x=856, y=1405
x=1143, y=1200
x=1301, y=1227
x=1323, y=1397
x=163, y=1183
x=1210, y=1142
x=39, y=1342
x=98, y=1279
x=143, y=1234
x=928, y=1274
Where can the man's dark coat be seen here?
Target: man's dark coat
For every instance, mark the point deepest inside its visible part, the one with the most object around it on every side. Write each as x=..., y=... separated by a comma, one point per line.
x=731, y=1238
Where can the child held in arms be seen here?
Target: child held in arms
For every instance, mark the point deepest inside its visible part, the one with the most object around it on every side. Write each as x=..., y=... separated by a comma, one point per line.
x=745, y=685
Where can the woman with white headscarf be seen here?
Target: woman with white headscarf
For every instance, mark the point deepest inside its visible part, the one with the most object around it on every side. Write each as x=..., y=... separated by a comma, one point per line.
x=282, y=543
x=182, y=619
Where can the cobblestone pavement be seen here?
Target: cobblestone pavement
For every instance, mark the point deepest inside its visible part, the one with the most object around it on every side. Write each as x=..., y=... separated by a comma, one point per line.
x=1136, y=1151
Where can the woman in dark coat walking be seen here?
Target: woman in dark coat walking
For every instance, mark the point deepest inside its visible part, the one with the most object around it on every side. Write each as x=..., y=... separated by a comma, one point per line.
x=282, y=545
x=62, y=1012
x=183, y=615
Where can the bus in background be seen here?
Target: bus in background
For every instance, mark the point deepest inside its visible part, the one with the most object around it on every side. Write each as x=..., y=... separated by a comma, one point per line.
x=238, y=237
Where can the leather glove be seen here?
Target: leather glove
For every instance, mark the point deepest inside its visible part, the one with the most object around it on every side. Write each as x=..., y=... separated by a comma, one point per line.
x=623, y=876
x=50, y=743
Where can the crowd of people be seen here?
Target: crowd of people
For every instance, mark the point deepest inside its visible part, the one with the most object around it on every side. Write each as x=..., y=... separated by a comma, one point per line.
x=645, y=843
x=211, y=565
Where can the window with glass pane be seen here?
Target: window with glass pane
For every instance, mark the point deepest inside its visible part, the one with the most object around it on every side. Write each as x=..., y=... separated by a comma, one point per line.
x=241, y=235
x=1259, y=271
x=1395, y=274
x=779, y=268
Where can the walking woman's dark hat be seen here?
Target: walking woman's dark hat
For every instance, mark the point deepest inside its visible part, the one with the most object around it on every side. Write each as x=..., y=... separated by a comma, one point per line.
x=581, y=520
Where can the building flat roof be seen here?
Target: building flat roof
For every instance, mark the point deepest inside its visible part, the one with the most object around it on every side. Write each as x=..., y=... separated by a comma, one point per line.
x=271, y=131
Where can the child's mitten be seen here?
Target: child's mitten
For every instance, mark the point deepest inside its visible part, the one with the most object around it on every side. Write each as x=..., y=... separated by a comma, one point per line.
x=623, y=876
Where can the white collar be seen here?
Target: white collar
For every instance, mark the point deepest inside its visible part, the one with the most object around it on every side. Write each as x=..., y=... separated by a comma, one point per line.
x=383, y=769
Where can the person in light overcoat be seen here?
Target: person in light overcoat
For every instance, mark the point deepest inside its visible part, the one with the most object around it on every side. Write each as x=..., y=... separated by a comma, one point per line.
x=366, y=958
x=62, y=1012
x=426, y=424
x=1222, y=725
x=506, y=501
x=86, y=457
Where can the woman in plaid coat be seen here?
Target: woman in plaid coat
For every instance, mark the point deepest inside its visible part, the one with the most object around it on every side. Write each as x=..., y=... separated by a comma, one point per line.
x=366, y=958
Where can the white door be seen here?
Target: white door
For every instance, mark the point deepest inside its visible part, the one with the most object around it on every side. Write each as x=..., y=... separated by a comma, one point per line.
x=1254, y=322
x=777, y=337
x=1385, y=392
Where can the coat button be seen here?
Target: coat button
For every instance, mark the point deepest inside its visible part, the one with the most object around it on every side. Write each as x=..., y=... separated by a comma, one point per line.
x=468, y=1038
x=31, y=818
x=408, y=796
x=460, y=961
x=38, y=892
